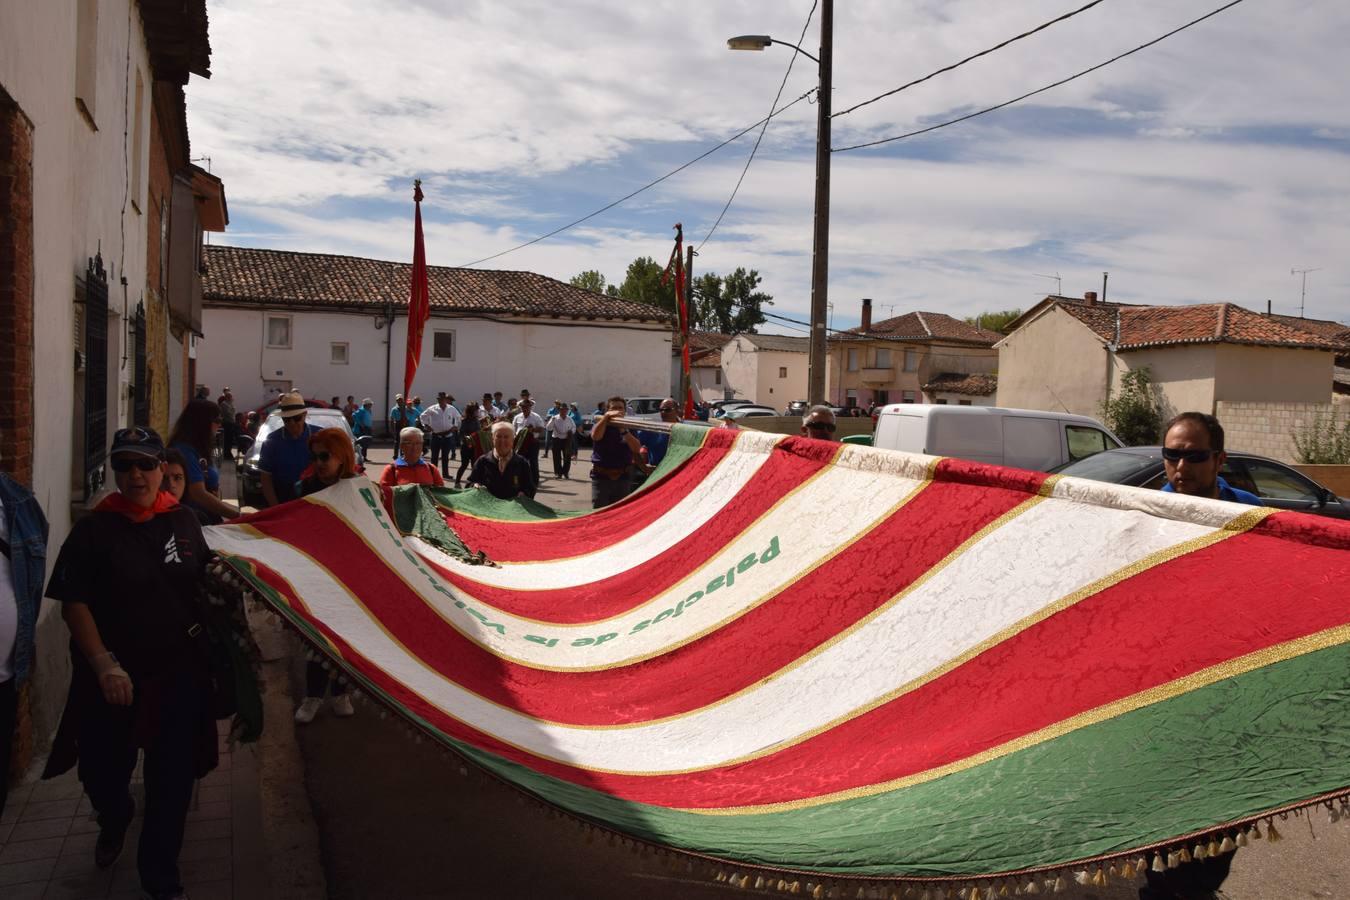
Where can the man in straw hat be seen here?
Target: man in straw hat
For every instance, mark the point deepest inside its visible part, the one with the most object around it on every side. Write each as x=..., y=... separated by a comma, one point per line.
x=285, y=453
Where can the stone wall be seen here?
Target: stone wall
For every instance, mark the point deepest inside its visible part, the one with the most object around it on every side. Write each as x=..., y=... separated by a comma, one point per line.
x=1268, y=428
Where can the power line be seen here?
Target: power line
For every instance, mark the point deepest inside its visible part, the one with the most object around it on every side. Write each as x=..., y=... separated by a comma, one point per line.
x=651, y=184
x=755, y=149
x=957, y=65
x=1062, y=81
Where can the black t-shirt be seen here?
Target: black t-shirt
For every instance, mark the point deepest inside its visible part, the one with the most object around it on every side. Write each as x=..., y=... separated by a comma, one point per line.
x=140, y=582
x=517, y=479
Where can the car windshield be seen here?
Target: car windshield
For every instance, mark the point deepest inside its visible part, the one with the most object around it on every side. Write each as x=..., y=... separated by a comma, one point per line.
x=1110, y=465
x=645, y=406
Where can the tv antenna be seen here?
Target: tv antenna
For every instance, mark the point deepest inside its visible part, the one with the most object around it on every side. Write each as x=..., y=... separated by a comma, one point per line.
x=1303, y=292
x=1059, y=282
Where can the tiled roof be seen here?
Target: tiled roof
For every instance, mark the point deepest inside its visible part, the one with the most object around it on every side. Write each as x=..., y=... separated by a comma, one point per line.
x=240, y=275
x=705, y=359
x=1333, y=331
x=782, y=342
x=961, y=383
x=924, y=326
x=708, y=340
x=1207, y=323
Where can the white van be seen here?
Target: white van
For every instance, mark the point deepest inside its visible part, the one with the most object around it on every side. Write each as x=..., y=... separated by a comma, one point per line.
x=1022, y=438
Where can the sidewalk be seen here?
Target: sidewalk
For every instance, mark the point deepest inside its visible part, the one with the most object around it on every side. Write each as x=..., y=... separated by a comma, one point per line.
x=48, y=832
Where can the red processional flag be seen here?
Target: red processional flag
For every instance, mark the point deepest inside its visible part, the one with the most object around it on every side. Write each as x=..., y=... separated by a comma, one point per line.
x=419, y=300
x=676, y=264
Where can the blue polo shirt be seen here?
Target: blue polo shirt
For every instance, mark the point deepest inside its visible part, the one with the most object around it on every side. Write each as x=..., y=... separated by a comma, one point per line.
x=284, y=459
x=656, y=443
x=1227, y=492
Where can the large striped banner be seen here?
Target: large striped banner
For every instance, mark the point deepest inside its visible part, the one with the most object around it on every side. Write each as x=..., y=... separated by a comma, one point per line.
x=847, y=662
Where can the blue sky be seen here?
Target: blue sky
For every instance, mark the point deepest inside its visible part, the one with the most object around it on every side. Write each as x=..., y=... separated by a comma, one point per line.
x=1199, y=170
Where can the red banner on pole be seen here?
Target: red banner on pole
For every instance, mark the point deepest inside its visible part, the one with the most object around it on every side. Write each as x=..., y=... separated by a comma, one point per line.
x=419, y=300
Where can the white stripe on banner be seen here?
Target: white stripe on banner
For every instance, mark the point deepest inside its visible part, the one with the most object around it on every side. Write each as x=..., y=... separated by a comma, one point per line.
x=1049, y=552
x=686, y=517
x=773, y=553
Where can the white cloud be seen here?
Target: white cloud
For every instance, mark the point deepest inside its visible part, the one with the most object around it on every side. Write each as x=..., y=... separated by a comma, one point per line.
x=1181, y=170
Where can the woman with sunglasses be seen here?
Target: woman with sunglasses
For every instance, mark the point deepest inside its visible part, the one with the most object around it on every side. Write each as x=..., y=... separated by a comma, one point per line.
x=331, y=460
x=127, y=579
x=194, y=436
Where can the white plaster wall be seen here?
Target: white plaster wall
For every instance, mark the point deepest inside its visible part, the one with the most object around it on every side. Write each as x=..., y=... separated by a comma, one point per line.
x=1053, y=363
x=779, y=392
x=79, y=177
x=585, y=363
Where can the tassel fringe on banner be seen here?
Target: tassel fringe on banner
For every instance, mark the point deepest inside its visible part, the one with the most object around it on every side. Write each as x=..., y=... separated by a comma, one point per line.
x=227, y=585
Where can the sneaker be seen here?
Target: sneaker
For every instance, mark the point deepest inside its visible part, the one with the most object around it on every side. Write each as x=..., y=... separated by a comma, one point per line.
x=110, y=841
x=308, y=710
x=342, y=706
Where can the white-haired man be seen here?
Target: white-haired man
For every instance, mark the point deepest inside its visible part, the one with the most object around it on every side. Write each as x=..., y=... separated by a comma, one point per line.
x=410, y=467
x=503, y=473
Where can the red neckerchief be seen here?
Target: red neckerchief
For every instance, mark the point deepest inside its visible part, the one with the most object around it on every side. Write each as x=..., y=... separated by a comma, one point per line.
x=117, y=502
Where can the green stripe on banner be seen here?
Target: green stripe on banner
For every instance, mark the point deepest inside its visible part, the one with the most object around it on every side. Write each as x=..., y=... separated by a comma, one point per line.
x=685, y=441
x=1143, y=777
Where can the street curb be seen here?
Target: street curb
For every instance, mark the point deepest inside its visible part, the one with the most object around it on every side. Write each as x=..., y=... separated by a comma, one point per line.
x=290, y=834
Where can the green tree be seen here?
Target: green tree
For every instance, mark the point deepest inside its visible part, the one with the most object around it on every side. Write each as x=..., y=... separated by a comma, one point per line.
x=1134, y=413
x=995, y=321
x=1323, y=441
x=590, y=280
x=730, y=305
x=642, y=284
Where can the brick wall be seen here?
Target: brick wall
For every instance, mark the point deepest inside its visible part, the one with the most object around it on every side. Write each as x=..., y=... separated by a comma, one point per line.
x=1268, y=428
x=16, y=291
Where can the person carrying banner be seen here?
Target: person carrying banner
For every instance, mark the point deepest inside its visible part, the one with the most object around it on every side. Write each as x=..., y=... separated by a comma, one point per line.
x=127, y=579
x=1193, y=455
x=819, y=423
x=613, y=451
x=332, y=459
x=285, y=453
x=410, y=467
x=504, y=473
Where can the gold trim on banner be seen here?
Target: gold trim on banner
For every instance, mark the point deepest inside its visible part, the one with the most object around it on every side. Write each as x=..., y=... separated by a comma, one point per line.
x=1233, y=668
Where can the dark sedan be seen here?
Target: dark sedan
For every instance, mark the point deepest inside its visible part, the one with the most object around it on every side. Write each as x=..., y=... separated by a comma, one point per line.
x=1275, y=483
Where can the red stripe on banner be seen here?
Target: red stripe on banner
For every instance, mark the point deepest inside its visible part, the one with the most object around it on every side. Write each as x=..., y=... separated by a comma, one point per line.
x=551, y=539
x=1215, y=604
x=754, y=646
x=791, y=462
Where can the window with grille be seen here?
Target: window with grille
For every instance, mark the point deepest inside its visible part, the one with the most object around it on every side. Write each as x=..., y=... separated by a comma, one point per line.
x=92, y=295
x=443, y=345
x=140, y=412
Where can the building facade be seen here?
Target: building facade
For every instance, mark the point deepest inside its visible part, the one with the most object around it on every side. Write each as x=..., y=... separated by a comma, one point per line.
x=768, y=369
x=897, y=359
x=81, y=86
x=337, y=326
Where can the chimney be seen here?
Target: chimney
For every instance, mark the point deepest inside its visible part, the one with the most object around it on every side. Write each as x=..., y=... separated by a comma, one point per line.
x=1090, y=297
x=867, y=314
x=1267, y=307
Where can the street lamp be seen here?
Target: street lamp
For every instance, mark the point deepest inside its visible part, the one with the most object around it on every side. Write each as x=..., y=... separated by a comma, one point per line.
x=820, y=251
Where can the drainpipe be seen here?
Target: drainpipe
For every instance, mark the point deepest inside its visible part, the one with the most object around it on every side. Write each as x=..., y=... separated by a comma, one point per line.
x=388, y=356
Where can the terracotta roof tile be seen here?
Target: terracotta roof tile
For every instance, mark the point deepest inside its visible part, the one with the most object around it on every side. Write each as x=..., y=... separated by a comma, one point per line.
x=251, y=276
x=961, y=383
x=705, y=359
x=924, y=326
x=1208, y=323
x=782, y=342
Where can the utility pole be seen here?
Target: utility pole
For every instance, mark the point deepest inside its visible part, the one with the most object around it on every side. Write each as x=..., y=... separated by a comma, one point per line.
x=1303, y=292
x=820, y=256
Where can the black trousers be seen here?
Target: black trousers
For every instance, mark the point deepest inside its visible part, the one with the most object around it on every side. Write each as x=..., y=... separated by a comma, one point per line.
x=562, y=456
x=316, y=680
x=108, y=756
x=442, y=449
x=532, y=457
x=9, y=706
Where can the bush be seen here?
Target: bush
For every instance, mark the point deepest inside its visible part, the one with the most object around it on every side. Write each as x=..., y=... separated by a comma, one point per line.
x=1323, y=441
x=1134, y=413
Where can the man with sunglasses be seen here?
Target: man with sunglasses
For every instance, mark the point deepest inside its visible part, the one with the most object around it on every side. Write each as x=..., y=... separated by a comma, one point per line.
x=819, y=423
x=1192, y=457
x=285, y=453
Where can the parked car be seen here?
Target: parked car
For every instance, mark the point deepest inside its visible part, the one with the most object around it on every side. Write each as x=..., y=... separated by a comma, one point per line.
x=1024, y=438
x=746, y=412
x=796, y=408
x=1275, y=483
x=722, y=407
x=645, y=408
x=250, y=476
